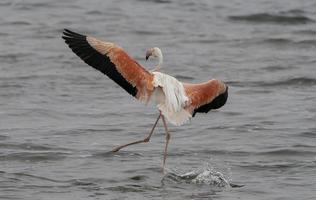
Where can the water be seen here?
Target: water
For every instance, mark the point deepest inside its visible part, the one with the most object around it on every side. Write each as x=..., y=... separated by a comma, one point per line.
x=60, y=118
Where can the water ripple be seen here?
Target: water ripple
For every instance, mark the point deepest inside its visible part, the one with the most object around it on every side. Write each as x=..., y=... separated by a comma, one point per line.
x=157, y=1
x=33, y=156
x=29, y=146
x=272, y=18
x=308, y=134
x=289, y=82
x=287, y=152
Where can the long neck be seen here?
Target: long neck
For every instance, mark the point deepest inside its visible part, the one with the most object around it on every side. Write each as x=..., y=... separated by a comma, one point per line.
x=160, y=60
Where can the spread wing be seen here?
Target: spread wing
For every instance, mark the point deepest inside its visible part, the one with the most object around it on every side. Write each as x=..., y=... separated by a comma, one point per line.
x=112, y=61
x=206, y=96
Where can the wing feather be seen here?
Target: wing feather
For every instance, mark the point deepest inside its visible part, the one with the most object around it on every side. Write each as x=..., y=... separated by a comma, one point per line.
x=112, y=61
x=206, y=96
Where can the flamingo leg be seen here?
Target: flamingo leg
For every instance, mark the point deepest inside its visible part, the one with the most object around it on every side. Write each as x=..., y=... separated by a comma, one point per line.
x=139, y=141
x=167, y=142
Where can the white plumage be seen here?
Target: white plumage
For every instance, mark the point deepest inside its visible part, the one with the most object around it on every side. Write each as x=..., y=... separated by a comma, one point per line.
x=170, y=98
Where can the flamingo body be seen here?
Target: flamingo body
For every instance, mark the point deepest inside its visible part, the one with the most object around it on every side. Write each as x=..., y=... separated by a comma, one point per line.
x=176, y=101
x=114, y=62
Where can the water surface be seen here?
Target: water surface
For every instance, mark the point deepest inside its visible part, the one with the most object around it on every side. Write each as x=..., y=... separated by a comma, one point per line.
x=59, y=118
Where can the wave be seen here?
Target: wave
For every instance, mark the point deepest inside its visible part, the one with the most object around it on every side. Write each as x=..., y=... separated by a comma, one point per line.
x=129, y=188
x=293, y=11
x=32, y=6
x=308, y=134
x=270, y=166
x=290, y=82
x=14, y=57
x=23, y=176
x=299, y=81
x=3, y=137
x=9, y=3
x=294, y=150
x=156, y=1
x=29, y=146
x=17, y=23
x=182, y=77
x=146, y=32
x=307, y=42
x=86, y=182
x=291, y=43
x=307, y=32
x=282, y=18
x=274, y=68
x=94, y=12
x=4, y=34
x=109, y=154
x=287, y=152
x=277, y=41
x=33, y=156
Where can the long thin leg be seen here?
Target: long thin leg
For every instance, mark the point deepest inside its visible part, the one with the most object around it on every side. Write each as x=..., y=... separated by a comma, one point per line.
x=139, y=141
x=167, y=142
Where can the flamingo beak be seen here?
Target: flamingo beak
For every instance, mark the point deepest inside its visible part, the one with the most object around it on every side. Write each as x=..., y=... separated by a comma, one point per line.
x=148, y=53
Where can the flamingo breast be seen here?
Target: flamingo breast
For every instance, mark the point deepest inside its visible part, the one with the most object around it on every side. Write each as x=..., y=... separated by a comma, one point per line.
x=170, y=97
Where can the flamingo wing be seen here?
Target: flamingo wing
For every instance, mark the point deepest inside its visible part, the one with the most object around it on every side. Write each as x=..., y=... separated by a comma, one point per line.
x=205, y=96
x=112, y=61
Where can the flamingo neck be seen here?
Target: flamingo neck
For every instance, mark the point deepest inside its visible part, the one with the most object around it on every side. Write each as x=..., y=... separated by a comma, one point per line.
x=160, y=61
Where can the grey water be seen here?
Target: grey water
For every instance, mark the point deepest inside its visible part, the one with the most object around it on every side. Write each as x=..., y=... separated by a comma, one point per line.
x=59, y=118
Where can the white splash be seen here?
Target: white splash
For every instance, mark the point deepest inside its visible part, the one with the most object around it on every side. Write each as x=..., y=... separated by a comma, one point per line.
x=211, y=177
x=202, y=176
x=171, y=99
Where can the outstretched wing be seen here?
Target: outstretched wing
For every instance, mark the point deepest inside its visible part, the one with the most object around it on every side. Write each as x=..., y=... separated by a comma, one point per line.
x=205, y=96
x=112, y=61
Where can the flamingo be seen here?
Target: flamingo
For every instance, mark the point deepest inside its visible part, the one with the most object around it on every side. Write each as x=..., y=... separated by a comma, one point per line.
x=177, y=102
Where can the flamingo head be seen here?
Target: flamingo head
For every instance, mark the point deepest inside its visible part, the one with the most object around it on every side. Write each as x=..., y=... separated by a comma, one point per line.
x=154, y=52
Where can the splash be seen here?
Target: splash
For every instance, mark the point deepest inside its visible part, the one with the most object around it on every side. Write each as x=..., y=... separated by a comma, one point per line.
x=209, y=177
x=206, y=175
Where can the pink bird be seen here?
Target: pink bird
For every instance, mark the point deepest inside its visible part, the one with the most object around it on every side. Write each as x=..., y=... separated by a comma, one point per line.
x=177, y=102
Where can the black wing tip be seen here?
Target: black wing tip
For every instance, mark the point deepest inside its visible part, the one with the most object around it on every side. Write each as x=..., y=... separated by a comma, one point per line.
x=71, y=34
x=218, y=102
x=80, y=46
